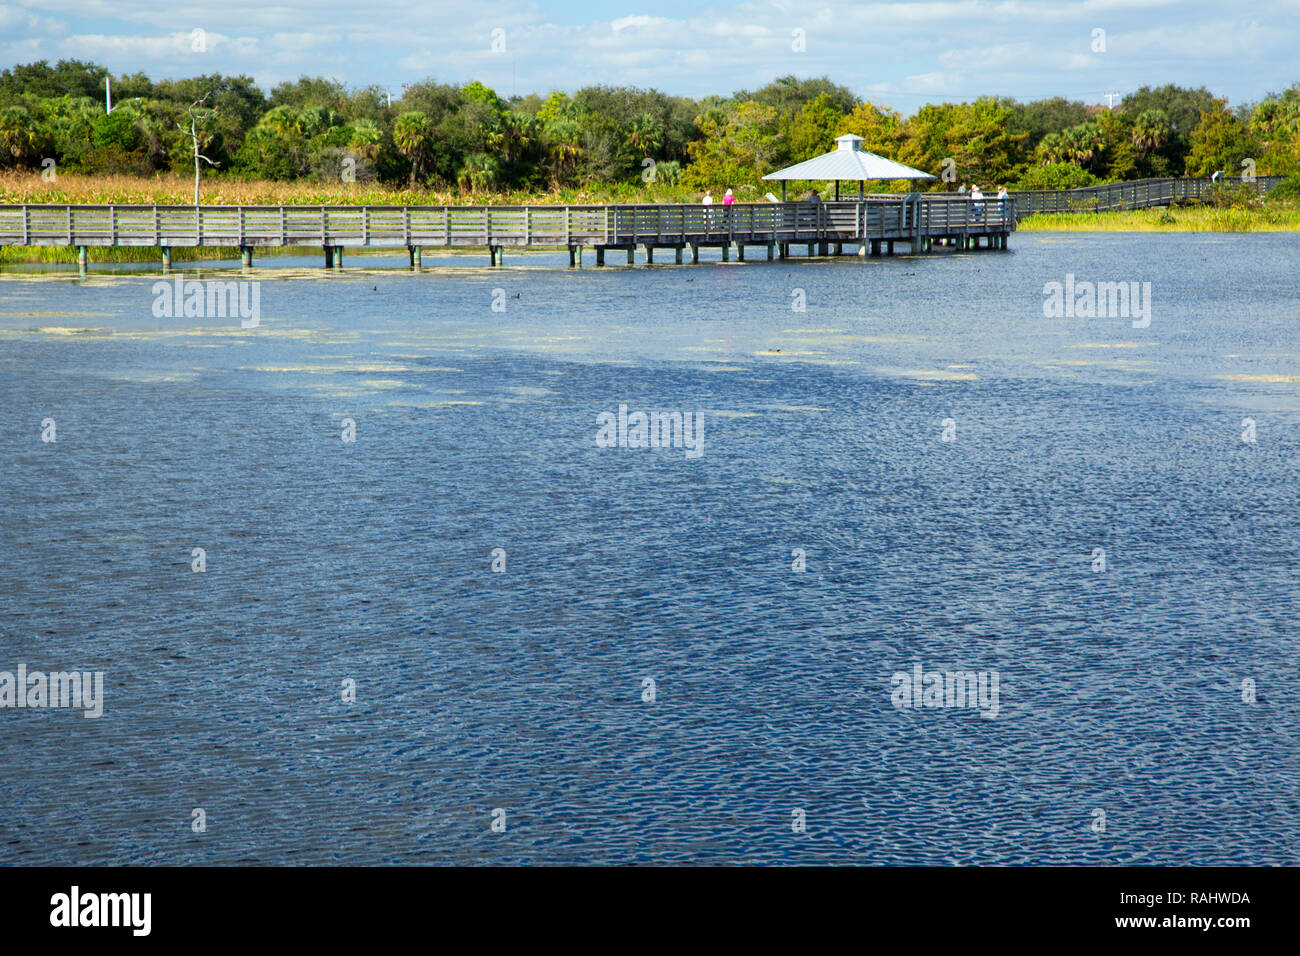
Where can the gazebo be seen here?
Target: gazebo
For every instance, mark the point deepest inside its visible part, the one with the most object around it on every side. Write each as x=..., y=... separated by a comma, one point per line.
x=848, y=161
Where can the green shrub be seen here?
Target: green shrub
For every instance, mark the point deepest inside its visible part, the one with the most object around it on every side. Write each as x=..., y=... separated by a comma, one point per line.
x=1055, y=176
x=1288, y=188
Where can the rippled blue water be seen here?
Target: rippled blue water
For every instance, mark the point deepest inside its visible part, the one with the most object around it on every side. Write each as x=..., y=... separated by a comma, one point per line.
x=1120, y=690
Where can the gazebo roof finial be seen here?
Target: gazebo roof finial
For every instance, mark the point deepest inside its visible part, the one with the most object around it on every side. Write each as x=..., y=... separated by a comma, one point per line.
x=849, y=142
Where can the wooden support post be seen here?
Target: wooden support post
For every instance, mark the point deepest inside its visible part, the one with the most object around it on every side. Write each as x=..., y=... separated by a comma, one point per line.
x=839, y=246
x=649, y=254
x=338, y=257
x=889, y=246
x=329, y=257
x=875, y=248
x=246, y=256
x=824, y=249
x=678, y=257
x=167, y=258
x=81, y=258
x=631, y=255
x=740, y=252
x=416, y=256
x=783, y=250
x=695, y=253
x=600, y=255
x=726, y=252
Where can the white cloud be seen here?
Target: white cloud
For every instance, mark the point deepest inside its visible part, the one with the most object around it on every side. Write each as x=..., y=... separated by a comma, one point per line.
x=908, y=50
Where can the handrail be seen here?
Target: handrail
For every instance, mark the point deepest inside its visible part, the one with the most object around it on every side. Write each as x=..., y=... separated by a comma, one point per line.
x=392, y=226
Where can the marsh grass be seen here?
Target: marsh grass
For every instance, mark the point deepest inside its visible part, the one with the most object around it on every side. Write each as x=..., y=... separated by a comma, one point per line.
x=68, y=254
x=170, y=189
x=1260, y=217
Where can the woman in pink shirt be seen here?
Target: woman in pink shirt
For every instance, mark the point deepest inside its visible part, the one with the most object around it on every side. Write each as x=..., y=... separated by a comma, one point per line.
x=728, y=199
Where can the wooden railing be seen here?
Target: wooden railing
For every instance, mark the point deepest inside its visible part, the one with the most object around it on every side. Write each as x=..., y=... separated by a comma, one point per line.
x=874, y=217
x=1137, y=194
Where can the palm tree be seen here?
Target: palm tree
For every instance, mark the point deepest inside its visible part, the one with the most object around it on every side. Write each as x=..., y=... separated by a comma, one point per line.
x=1082, y=143
x=413, y=135
x=1051, y=148
x=17, y=139
x=1151, y=132
x=283, y=119
x=316, y=119
x=364, y=137
x=565, y=146
x=479, y=171
x=646, y=135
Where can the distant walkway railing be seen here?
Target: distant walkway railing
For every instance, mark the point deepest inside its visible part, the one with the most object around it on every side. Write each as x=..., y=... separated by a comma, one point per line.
x=1136, y=194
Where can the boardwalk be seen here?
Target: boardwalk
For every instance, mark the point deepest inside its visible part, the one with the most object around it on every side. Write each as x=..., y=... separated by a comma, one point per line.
x=1137, y=194
x=875, y=223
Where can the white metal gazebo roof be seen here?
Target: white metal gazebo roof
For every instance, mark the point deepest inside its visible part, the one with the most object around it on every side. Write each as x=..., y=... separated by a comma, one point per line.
x=849, y=161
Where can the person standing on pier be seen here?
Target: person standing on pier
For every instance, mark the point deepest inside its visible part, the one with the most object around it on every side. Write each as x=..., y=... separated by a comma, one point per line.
x=977, y=208
x=728, y=199
x=1002, y=204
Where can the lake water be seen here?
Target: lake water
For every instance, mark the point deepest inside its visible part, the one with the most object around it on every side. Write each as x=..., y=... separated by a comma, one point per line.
x=1146, y=712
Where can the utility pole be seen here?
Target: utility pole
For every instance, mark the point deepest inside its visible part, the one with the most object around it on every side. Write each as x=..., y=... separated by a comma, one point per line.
x=1110, y=100
x=108, y=96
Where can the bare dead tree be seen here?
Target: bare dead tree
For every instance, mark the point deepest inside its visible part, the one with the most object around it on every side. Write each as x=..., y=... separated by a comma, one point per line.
x=195, y=113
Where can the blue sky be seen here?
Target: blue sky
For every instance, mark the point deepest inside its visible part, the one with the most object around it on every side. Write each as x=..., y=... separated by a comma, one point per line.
x=901, y=54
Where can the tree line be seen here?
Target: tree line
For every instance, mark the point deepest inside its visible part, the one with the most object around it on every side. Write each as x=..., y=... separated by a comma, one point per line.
x=471, y=138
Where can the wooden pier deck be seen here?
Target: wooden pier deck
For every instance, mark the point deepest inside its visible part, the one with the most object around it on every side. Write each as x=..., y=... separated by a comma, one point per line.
x=872, y=223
